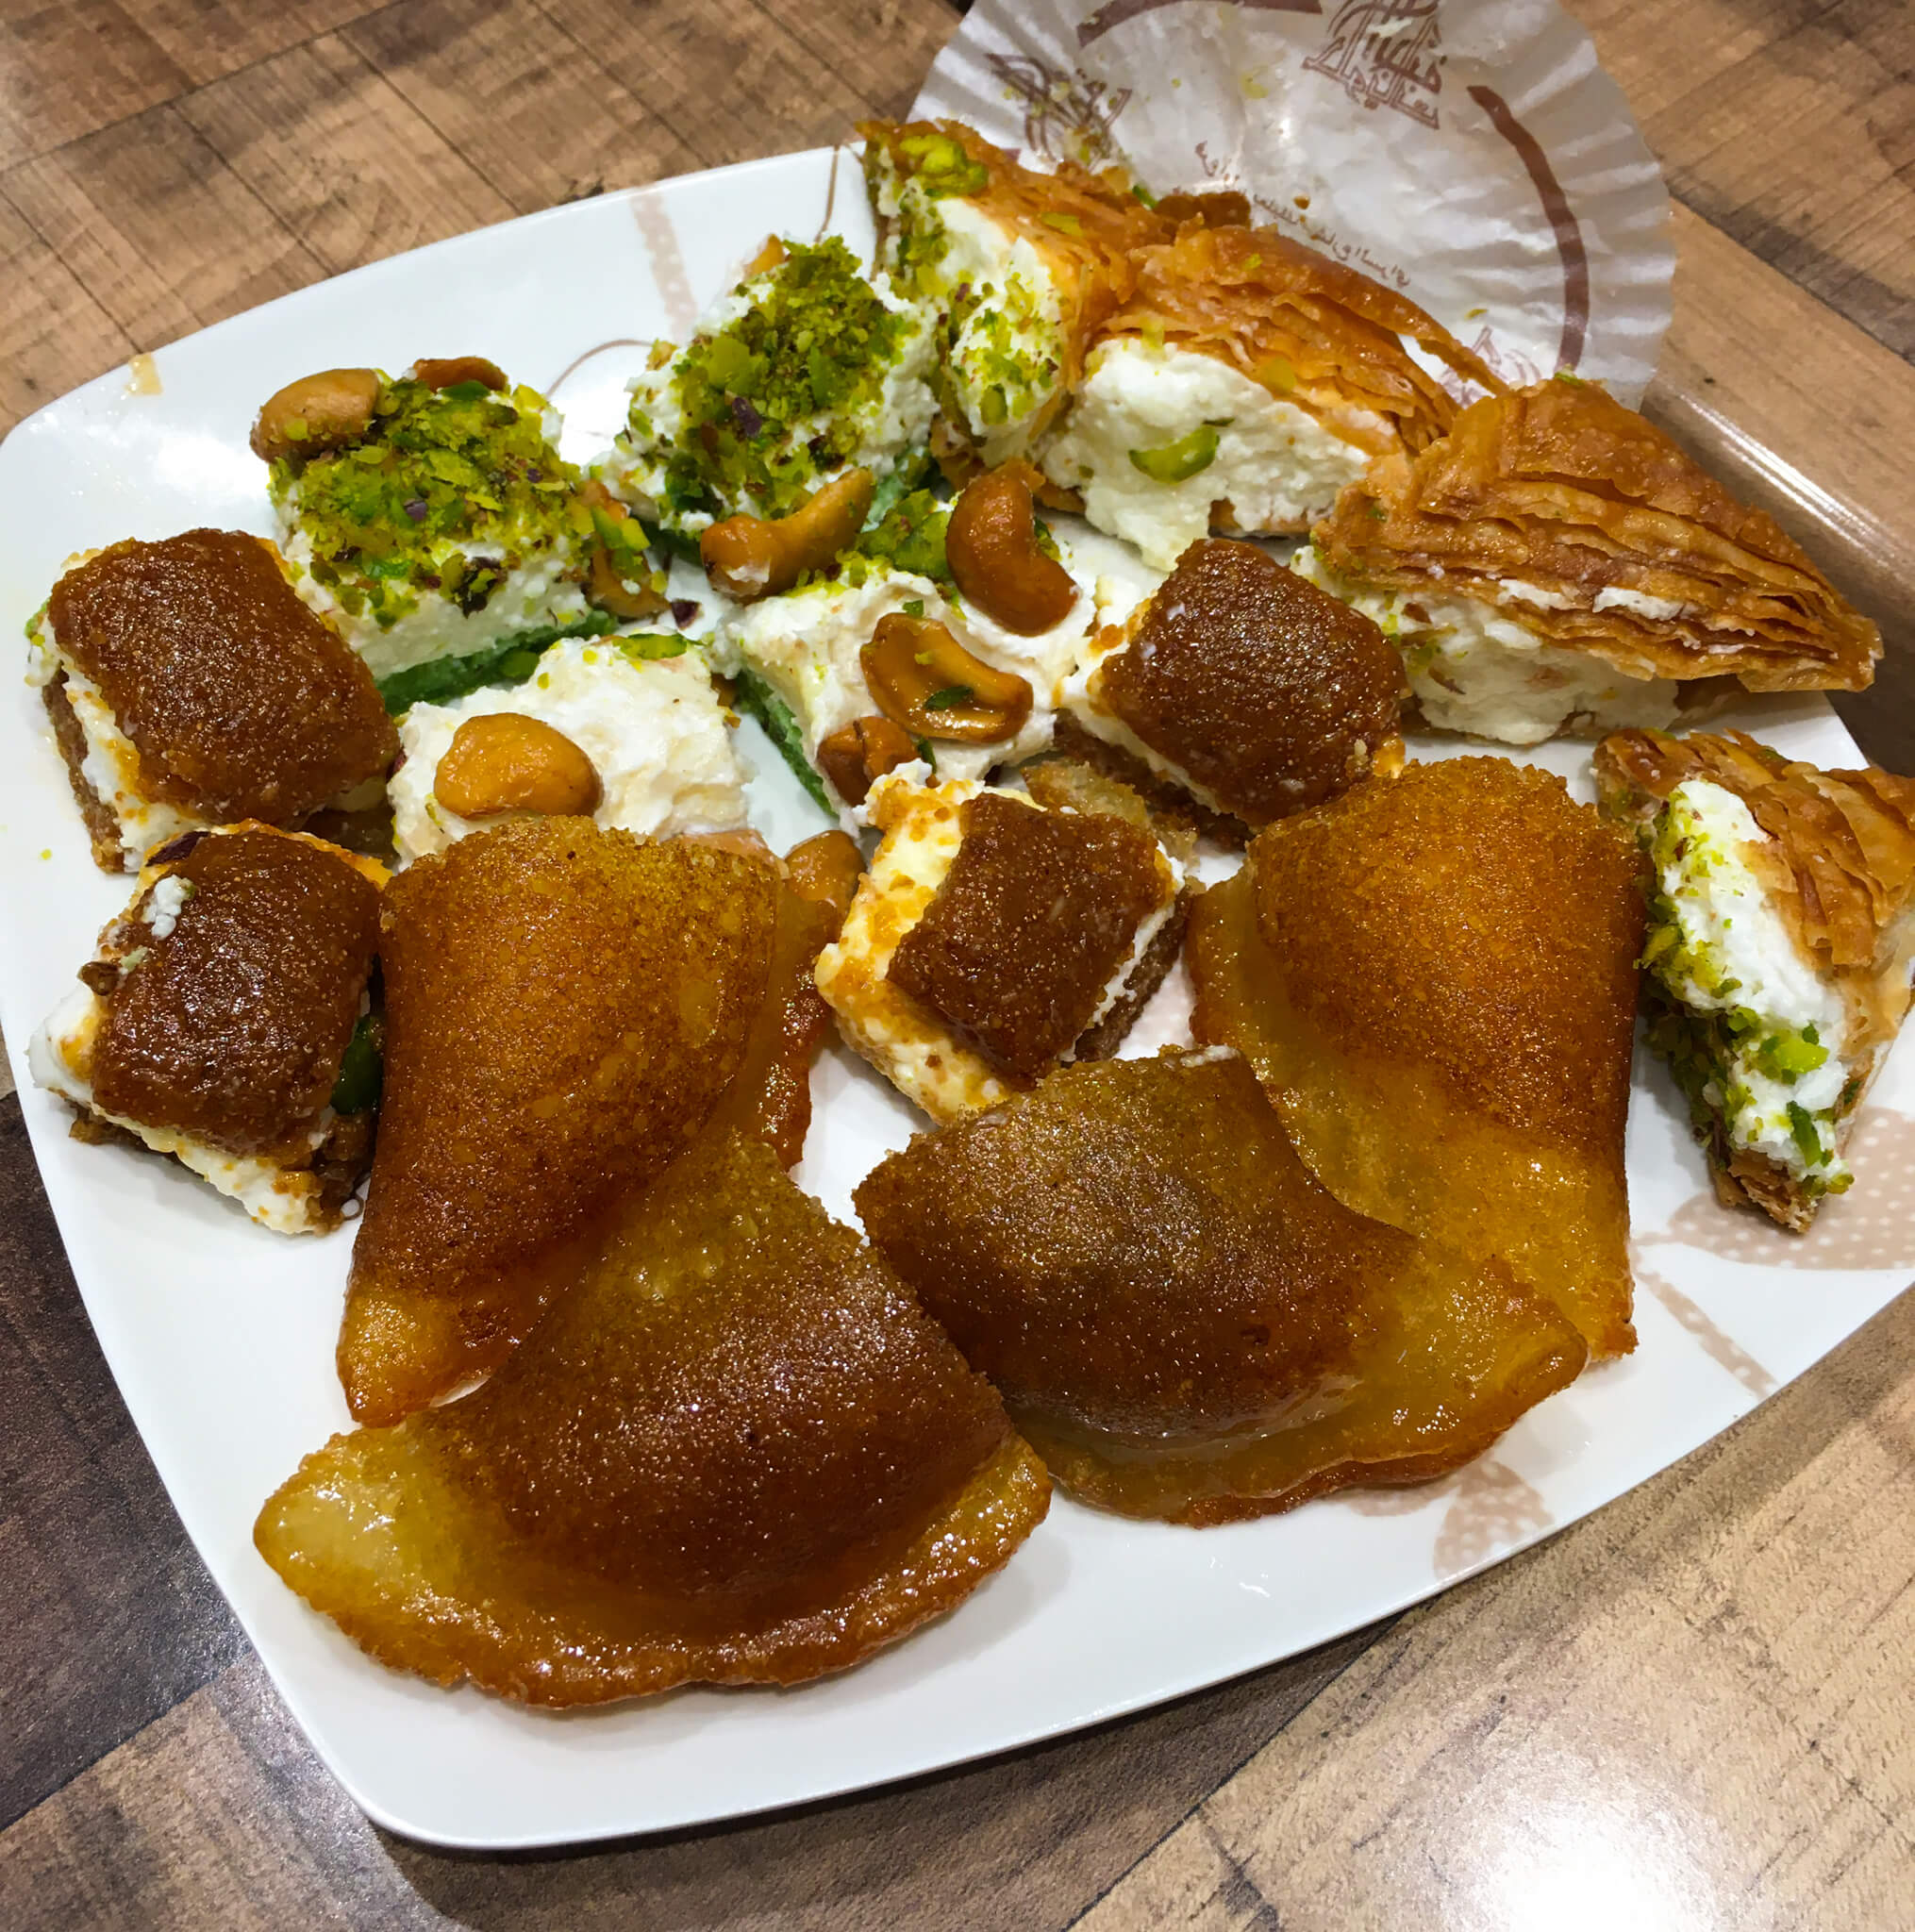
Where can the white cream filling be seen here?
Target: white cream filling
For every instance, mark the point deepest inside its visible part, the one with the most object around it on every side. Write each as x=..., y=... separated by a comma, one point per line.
x=1277, y=465
x=1476, y=670
x=1724, y=915
x=654, y=730
x=111, y=767
x=164, y=902
x=275, y=1197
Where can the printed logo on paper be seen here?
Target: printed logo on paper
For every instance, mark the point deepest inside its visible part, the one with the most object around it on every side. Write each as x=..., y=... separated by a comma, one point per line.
x=1386, y=54
x=1067, y=114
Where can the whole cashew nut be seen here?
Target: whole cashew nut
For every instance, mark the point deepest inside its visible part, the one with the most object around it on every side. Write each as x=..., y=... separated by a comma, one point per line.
x=748, y=557
x=825, y=869
x=857, y=755
x=317, y=413
x=926, y=682
x=991, y=545
x=442, y=372
x=504, y=762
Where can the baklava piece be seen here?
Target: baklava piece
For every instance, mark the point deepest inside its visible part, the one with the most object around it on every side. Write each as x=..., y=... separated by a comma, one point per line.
x=227, y=1021
x=1435, y=978
x=738, y=1452
x=1557, y=565
x=1180, y=1319
x=1248, y=692
x=1781, y=935
x=565, y=1006
x=1246, y=381
x=189, y=686
x=995, y=939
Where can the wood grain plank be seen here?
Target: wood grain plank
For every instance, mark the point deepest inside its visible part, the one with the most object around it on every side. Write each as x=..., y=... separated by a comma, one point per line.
x=883, y=48
x=208, y=40
x=728, y=81
x=159, y=231
x=72, y=66
x=56, y=334
x=339, y=157
x=1688, y=1710
x=533, y=112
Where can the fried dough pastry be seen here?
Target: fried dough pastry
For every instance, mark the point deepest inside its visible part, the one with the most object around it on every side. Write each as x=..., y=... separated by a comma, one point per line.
x=1557, y=508
x=738, y=1453
x=1782, y=929
x=564, y=1008
x=1182, y=1321
x=1434, y=979
x=1253, y=692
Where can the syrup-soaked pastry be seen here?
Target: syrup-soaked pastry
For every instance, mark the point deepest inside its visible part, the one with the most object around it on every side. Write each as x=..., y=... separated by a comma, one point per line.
x=225, y=1019
x=1016, y=269
x=189, y=686
x=1557, y=564
x=1244, y=383
x=1237, y=684
x=738, y=1453
x=1782, y=931
x=1435, y=978
x=995, y=938
x=564, y=1008
x=1185, y=1324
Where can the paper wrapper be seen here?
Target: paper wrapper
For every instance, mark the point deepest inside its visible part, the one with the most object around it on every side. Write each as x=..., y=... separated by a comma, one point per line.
x=1469, y=153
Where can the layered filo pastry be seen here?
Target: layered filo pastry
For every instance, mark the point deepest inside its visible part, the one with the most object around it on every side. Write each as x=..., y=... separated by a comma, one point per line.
x=1014, y=271
x=1776, y=969
x=998, y=936
x=738, y=1452
x=189, y=686
x=1245, y=380
x=1238, y=689
x=1557, y=564
x=225, y=1019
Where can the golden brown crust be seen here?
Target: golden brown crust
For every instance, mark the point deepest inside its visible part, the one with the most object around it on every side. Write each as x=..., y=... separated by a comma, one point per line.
x=1316, y=333
x=1435, y=978
x=738, y=1452
x=240, y=703
x=1063, y=782
x=1108, y=1034
x=1164, y=799
x=1266, y=692
x=1181, y=1320
x=563, y=1005
x=103, y=828
x=1561, y=487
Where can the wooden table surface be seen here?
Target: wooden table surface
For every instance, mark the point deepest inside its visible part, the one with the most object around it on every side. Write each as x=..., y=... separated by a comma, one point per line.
x=1691, y=1710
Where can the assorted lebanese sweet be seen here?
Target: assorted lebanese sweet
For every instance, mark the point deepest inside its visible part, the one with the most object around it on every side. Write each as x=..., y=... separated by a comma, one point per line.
x=947, y=628
x=997, y=938
x=1184, y=1323
x=1435, y=978
x=808, y=370
x=226, y=1021
x=738, y=1452
x=1776, y=969
x=189, y=686
x=605, y=727
x=565, y=1006
x=432, y=519
x=1243, y=384
x=1557, y=564
x=1013, y=270
x=1240, y=687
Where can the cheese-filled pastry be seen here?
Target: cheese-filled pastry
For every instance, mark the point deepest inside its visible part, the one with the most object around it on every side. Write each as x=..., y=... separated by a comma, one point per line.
x=1014, y=269
x=1244, y=383
x=226, y=1021
x=1781, y=935
x=738, y=1453
x=189, y=686
x=997, y=938
x=1240, y=687
x=1557, y=564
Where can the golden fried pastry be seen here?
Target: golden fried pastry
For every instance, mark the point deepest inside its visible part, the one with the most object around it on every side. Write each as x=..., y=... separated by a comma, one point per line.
x=189, y=686
x=1017, y=269
x=738, y=1452
x=1782, y=928
x=1434, y=979
x=995, y=938
x=1250, y=691
x=224, y=1020
x=1180, y=1319
x=1558, y=564
x=1245, y=380
x=564, y=1008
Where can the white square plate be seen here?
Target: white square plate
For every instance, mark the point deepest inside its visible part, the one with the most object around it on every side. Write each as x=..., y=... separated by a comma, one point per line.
x=222, y=1333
